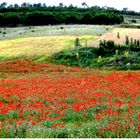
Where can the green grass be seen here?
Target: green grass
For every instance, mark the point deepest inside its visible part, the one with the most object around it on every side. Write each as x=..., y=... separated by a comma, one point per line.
x=90, y=57
x=60, y=30
x=129, y=18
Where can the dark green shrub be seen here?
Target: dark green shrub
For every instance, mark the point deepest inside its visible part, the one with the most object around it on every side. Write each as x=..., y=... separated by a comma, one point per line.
x=131, y=41
x=118, y=35
x=110, y=45
x=4, y=33
x=138, y=43
x=101, y=51
x=134, y=21
x=77, y=43
x=126, y=40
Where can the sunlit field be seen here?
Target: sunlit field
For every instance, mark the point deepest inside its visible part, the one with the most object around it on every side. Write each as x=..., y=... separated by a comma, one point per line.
x=36, y=46
x=40, y=40
x=123, y=32
x=46, y=100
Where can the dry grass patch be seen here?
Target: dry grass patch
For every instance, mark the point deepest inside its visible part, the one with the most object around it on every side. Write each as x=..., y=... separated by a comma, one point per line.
x=123, y=32
x=39, y=45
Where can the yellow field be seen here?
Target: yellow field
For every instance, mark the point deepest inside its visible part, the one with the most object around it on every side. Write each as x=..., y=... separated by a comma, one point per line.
x=34, y=46
x=40, y=45
x=131, y=33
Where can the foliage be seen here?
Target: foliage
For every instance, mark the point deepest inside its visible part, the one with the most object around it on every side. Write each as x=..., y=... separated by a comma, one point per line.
x=111, y=54
x=77, y=43
x=38, y=14
x=118, y=35
x=126, y=40
x=87, y=32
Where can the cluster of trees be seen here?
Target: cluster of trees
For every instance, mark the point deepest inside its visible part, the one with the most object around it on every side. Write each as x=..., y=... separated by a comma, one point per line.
x=40, y=14
x=108, y=48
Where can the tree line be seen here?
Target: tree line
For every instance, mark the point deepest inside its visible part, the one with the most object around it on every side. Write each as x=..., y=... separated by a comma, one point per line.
x=40, y=14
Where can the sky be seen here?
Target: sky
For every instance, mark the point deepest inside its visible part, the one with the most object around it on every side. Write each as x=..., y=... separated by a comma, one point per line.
x=118, y=4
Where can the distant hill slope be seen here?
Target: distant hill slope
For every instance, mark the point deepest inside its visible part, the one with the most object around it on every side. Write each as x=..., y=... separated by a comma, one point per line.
x=123, y=32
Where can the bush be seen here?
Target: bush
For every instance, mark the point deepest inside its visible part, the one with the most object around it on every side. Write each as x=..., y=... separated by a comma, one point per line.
x=105, y=56
x=77, y=43
x=133, y=21
x=118, y=35
x=126, y=40
x=101, y=51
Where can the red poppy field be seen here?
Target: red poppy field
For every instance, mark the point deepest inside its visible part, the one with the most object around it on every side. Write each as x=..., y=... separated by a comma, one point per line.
x=46, y=100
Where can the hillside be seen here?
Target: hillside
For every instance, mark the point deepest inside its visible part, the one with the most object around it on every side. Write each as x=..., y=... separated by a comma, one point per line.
x=113, y=35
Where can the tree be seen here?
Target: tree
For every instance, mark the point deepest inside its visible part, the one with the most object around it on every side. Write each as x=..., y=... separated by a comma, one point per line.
x=3, y=5
x=125, y=9
x=40, y=18
x=57, y=15
x=16, y=6
x=126, y=40
x=77, y=43
x=38, y=5
x=87, y=18
x=138, y=43
x=2, y=19
x=61, y=5
x=24, y=4
x=12, y=19
x=10, y=6
x=84, y=5
x=72, y=19
x=118, y=35
x=44, y=4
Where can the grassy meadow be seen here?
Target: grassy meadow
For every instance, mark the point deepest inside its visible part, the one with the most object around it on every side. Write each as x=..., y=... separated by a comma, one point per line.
x=45, y=31
x=40, y=40
x=35, y=46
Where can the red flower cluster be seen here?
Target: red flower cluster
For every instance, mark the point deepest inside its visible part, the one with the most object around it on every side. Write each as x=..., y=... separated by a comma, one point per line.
x=111, y=97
